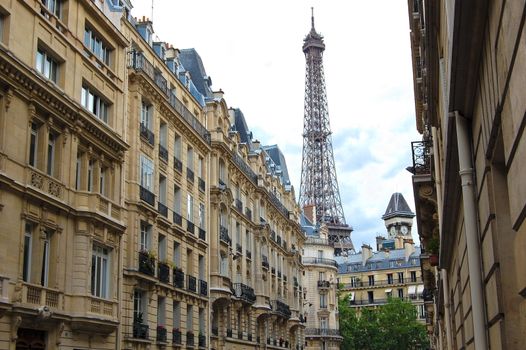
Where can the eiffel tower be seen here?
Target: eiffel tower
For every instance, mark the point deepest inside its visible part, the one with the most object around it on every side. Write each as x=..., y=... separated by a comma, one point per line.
x=319, y=190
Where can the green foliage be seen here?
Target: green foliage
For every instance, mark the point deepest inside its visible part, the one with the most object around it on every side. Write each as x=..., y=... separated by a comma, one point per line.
x=392, y=326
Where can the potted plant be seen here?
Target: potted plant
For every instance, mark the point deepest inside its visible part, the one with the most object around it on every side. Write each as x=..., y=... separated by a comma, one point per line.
x=432, y=247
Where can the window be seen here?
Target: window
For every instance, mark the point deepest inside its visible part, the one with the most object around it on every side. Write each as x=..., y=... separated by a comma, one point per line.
x=144, y=239
x=161, y=247
x=323, y=323
x=46, y=252
x=47, y=65
x=222, y=172
x=190, y=208
x=102, y=181
x=177, y=200
x=413, y=276
x=224, y=265
x=77, y=171
x=320, y=254
x=400, y=293
x=238, y=233
x=161, y=311
x=321, y=276
x=389, y=278
x=190, y=158
x=421, y=311
x=189, y=318
x=201, y=267
x=94, y=103
x=146, y=115
x=100, y=272
x=202, y=315
x=33, y=145
x=90, y=175
x=371, y=280
x=177, y=314
x=95, y=44
x=163, y=135
x=162, y=189
x=200, y=167
x=177, y=146
x=370, y=297
x=177, y=254
x=146, y=173
x=51, y=154
x=400, y=277
x=202, y=215
x=54, y=6
x=354, y=281
x=140, y=303
x=323, y=301
x=28, y=251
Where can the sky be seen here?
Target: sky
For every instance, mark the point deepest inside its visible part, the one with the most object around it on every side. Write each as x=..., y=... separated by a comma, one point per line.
x=252, y=51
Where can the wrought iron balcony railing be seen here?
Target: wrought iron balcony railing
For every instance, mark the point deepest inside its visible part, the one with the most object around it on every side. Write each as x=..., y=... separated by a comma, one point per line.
x=176, y=336
x=190, y=175
x=162, y=209
x=202, y=341
x=245, y=168
x=190, y=339
x=140, y=330
x=245, y=293
x=178, y=278
x=320, y=261
x=147, y=134
x=223, y=235
x=190, y=227
x=146, y=263
x=178, y=219
x=248, y=213
x=421, y=157
x=163, y=153
x=164, y=272
x=178, y=165
x=202, y=234
x=201, y=184
x=324, y=284
x=139, y=63
x=322, y=332
x=264, y=261
x=161, y=334
x=281, y=308
x=192, y=284
x=203, y=287
x=147, y=196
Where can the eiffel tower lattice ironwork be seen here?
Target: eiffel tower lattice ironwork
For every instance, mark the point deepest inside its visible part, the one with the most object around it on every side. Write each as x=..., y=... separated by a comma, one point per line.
x=319, y=186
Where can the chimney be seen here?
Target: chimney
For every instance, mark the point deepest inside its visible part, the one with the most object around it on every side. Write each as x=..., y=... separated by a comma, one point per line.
x=409, y=248
x=399, y=242
x=218, y=94
x=379, y=243
x=310, y=213
x=367, y=252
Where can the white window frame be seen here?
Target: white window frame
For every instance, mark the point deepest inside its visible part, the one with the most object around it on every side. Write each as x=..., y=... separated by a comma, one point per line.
x=28, y=252
x=202, y=217
x=147, y=170
x=51, y=150
x=47, y=65
x=96, y=45
x=100, y=270
x=190, y=208
x=145, y=236
x=146, y=114
x=33, y=145
x=94, y=103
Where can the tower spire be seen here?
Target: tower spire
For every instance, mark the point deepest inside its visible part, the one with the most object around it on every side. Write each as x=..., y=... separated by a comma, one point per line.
x=312, y=19
x=319, y=187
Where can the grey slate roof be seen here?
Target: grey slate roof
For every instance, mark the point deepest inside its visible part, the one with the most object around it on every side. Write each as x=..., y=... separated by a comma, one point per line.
x=240, y=125
x=192, y=62
x=398, y=207
x=308, y=227
x=379, y=261
x=279, y=159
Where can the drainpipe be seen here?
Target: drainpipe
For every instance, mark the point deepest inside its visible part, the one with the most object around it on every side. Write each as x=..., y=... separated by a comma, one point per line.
x=471, y=228
x=443, y=272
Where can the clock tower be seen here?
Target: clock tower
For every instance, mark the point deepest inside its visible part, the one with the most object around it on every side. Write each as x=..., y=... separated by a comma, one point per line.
x=398, y=217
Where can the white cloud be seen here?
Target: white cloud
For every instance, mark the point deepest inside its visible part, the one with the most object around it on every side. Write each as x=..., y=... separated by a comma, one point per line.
x=252, y=50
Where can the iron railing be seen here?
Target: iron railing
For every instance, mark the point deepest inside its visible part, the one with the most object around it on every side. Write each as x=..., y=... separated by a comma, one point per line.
x=162, y=209
x=147, y=196
x=147, y=134
x=203, y=287
x=322, y=331
x=245, y=168
x=178, y=278
x=163, y=153
x=245, y=293
x=178, y=165
x=421, y=157
x=223, y=235
x=320, y=261
x=192, y=284
x=178, y=219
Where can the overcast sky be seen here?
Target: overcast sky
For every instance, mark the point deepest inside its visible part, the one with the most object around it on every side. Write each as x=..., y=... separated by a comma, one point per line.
x=252, y=51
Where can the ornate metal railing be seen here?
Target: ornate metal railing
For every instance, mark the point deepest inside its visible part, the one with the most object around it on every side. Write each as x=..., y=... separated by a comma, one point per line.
x=192, y=284
x=245, y=168
x=201, y=184
x=189, y=174
x=162, y=209
x=223, y=235
x=163, y=153
x=277, y=203
x=147, y=134
x=203, y=287
x=178, y=278
x=146, y=264
x=164, y=272
x=202, y=234
x=320, y=261
x=161, y=334
x=281, y=308
x=140, y=331
x=190, y=227
x=322, y=331
x=421, y=157
x=147, y=196
x=176, y=336
x=324, y=284
x=190, y=339
x=178, y=165
x=244, y=292
x=137, y=61
x=178, y=219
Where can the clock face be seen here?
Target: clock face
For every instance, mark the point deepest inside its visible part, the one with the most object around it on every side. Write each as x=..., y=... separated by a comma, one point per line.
x=404, y=230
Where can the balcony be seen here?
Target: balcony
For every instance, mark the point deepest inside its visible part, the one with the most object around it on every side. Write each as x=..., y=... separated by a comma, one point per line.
x=229, y=332
x=191, y=284
x=248, y=254
x=379, y=283
x=147, y=196
x=280, y=308
x=178, y=278
x=140, y=330
x=146, y=263
x=278, y=240
x=239, y=335
x=239, y=205
x=202, y=341
x=324, y=284
x=273, y=270
x=223, y=235
x=139, y=63
x=41, y=296
x=164, y=272
x=190, y=339
x=190, y=227
x=178, y=165
x=161, y=334
x=190, y=175
x=279, y=274
x=320, y=261
x=239, y=248
x=202, y=234
x=201, y=184
x=163, y=153
x=203, y=287
x=421, y=157
x=215, y=331
x=147, y=134
x=322, y=332
x=264, y=261
x=245, y=293
x=176, y=336
x=249, y=336
x=248, y=214
x=273, y=235
x=245, y=168
x=163, y=209
x=178, y=219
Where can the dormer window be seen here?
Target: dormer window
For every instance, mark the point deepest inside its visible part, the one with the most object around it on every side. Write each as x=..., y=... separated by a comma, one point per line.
x=148, y=35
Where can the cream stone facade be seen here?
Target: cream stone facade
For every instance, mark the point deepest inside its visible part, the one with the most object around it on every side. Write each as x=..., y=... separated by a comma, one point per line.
x=320, y=286
x=62, y=146
x=469, y=63
x=256, y=240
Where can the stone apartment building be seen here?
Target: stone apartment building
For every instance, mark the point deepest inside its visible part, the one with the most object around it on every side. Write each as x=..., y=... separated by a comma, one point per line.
x=321, y=284
x=468, y=67
x=142, y=212
x=370, y=278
